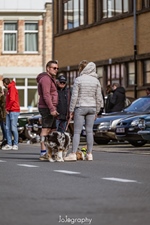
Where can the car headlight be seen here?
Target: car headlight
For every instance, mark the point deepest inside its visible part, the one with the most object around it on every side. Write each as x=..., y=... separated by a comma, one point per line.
x=135, y=122
x=104, y=125
x=115, y=122
x=142, y=124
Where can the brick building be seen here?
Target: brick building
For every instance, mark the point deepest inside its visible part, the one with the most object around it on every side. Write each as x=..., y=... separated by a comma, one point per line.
x=113, y=34
x=25, y=45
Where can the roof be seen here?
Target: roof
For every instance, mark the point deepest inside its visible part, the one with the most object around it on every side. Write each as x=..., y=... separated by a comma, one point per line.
x=9, y=5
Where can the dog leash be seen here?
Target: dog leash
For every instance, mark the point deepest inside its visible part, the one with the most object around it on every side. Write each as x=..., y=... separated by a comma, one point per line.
x=68, y=124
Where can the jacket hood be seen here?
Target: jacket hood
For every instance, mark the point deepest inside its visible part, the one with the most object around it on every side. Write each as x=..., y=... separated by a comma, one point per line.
x=90, y=70
x=11, y=84
x=40, y=76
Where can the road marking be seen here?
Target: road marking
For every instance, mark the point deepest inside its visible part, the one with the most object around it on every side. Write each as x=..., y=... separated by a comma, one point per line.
x=2, y=161
x=66, y=171
x=119, y=179
x=27, y=165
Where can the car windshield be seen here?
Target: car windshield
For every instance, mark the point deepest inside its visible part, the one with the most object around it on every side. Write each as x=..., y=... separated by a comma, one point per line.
x=139, y=105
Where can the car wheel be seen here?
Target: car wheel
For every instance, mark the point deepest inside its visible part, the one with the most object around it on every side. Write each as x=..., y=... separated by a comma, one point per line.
x=101, y=142
x=29, y=135
x=138, y=143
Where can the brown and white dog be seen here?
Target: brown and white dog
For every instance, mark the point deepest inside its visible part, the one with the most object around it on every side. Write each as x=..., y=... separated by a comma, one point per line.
x=57, y=144
x=81, y=153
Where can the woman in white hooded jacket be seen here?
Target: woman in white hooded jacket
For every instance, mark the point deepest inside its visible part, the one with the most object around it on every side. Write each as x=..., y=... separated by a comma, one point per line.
x=85, y=104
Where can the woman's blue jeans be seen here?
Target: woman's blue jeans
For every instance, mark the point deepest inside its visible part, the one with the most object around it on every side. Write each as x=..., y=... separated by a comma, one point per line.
x=11, y=127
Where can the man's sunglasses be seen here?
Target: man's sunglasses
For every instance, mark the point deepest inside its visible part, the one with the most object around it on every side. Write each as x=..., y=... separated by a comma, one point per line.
x=55, y=68
x=62, y=83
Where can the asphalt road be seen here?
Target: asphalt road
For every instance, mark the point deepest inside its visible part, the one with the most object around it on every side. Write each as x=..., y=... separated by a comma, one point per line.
x=114, y=189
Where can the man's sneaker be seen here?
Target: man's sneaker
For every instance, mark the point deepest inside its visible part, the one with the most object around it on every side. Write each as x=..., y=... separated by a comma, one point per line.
x=7, y=147
x=15, y=147
x=89, y=156
x=43, y=157
x=71, y=157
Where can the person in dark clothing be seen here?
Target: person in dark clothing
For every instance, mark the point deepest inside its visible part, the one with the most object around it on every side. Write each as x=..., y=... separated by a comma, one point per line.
x=63, y=104
x=118, y=98
x=148, y=91
x=109, y=94
x=3, y=114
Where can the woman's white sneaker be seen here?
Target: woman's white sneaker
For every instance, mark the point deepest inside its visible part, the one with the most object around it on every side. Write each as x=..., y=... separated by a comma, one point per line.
x=15, y=147
x=70, y=157
x=89, y=157
x=7, y=147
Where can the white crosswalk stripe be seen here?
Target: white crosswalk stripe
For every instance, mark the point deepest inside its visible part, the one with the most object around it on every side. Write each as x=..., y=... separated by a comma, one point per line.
x=2, y=161
x=66, y=171
x=119, y=179
x=27, y=165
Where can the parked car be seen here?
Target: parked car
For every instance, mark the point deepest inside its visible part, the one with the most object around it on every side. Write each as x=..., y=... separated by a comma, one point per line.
x=105, y=125
x=22, y=121
x=127, y=130
x=34, y=126
x=144, y=126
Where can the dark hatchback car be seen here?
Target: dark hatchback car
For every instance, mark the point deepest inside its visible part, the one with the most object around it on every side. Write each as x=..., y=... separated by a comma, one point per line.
x=127, y=130
x=105, y=126
x=144, y=127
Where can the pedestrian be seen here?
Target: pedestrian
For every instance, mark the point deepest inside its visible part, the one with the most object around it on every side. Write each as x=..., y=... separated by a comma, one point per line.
x=148, y=91
x=64, y=95
x=118, y=98
x=12, y=112
x=48, y=100
x=85, y=104
x=109, y=94
x=3, y=115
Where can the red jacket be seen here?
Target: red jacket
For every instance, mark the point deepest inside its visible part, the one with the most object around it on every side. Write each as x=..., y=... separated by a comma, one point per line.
x=47, y=91
x=12, y=98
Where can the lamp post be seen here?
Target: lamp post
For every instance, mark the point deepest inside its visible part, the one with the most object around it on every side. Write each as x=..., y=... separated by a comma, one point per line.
x=135, y=51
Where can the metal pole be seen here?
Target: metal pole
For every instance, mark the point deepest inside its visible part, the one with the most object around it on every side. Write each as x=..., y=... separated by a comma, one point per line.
x=135, y=51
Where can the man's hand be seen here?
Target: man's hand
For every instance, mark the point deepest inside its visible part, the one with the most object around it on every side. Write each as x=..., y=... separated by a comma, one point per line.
x=54, y=113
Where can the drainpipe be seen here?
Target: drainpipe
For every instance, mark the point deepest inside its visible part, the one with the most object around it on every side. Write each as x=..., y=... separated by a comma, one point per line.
x=135, y=51
x=44, y=28
x=52, y=29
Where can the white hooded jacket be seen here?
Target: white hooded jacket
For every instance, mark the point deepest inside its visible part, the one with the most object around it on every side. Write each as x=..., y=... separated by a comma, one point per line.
x=87, y=90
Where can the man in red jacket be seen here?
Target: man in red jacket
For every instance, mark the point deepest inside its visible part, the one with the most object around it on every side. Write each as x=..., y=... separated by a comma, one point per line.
x=12, y=113
x=48, y=101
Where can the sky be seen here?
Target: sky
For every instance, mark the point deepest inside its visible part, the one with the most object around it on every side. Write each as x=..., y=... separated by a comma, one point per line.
x=23, y=4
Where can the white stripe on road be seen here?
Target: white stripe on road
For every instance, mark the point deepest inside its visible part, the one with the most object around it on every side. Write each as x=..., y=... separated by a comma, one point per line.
x=2, y=161
x=119, y=179
x=27, y=165
x=66, y=171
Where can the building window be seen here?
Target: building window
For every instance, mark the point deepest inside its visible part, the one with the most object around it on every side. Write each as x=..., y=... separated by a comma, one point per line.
x=146, y=72
x=145, y=4
x=113, y=8
x=131, y=73
x=73, y=13
x=31, y=37
x=115, y=74
x=10, y=37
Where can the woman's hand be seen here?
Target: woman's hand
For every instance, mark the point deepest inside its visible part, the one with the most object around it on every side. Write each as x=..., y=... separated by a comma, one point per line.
x=71, y=115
